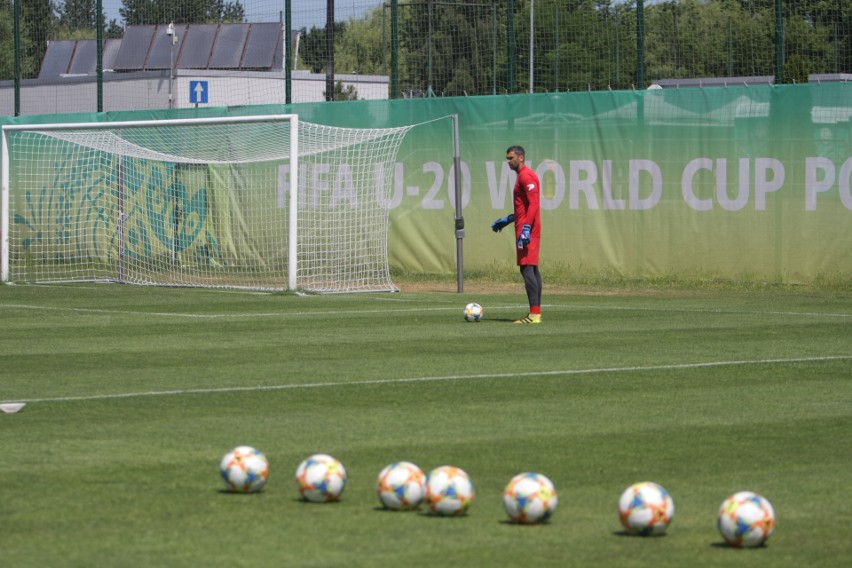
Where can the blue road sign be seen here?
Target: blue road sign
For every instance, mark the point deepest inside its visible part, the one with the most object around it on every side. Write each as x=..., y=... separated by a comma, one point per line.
x=198, y=92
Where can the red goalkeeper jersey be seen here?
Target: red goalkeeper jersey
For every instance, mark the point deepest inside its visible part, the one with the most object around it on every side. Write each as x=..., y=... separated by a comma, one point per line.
x=527, y=199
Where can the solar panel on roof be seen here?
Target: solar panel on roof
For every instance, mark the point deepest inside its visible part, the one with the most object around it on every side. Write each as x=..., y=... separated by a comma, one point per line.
x=111, y=47
x=160, y=54
x=56, y=59
x=85, y=58
x=195, y=51
x=199, y=46
x=263, y=42
x=134, y=48
x=228, y=49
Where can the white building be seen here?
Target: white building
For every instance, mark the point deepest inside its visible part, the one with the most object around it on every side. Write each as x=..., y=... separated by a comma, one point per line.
x=180, y=66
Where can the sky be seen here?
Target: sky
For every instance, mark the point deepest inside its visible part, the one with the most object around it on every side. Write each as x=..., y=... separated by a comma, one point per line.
x=305, y=13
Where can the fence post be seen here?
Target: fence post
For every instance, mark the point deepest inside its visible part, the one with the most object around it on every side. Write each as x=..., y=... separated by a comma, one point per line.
x=779, y=44
x=288, y=52
x=640, y=44
x=459, y=218
x=730, y=47
x=394, y=71
x=494, y=48
x=329, y=50
x=17, y=45
x=429, y=45
x=532, y=46
x=510, y=44
x=99, y=63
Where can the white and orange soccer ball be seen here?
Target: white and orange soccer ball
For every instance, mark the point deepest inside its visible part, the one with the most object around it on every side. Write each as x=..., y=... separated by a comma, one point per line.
x=646, y=509
x=473, y=312
x=449, y=491
x=321, y=478
x=401, y=486
x=244, y=470
x=746, y=520
x=530, y=498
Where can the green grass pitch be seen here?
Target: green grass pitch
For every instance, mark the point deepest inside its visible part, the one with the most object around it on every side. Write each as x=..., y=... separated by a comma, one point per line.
x=134, y=394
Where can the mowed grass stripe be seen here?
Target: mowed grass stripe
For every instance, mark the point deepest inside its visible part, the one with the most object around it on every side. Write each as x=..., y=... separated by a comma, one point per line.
x=571, y=304
x=483, y=376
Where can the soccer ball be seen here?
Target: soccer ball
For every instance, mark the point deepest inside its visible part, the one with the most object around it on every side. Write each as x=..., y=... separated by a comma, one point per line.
x=746, y=520
x=530, y=498
x=449, y=491
x=401, y=486
x=473, y=312
x=321, y=478
x=244, y=469
x=646, y=509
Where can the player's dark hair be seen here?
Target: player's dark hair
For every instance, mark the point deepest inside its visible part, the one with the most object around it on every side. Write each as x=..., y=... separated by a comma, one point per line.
x=519, y=150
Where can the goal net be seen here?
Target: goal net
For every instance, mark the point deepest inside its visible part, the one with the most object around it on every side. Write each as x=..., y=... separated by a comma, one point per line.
x=267, y=202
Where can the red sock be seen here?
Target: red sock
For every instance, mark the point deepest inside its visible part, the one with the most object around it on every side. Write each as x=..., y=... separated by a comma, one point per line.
x=535, y=310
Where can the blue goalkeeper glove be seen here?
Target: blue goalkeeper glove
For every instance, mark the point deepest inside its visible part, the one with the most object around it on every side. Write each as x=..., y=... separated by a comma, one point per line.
x=500, y=223
x=524, y=239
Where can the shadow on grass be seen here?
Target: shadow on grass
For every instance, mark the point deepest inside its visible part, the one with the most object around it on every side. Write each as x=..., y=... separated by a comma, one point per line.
x=229, y=492
x=723, y=544
x=381, y=509
x=304, y=501
x=430, y=515
x=512, y=523
x=637, y=535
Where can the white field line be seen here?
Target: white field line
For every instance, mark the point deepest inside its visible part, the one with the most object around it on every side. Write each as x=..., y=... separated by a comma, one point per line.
x=716, y=311
x=281, y=314
x=284, y=314
x=564, y=372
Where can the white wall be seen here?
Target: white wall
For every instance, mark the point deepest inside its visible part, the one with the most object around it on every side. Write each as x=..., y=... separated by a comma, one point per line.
x=149, y=91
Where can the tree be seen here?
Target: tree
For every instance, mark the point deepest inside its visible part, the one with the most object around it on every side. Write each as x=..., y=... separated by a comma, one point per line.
x=342, y=93
x=139, y=12
x=360, y=47
x=233, y=12
x=434, y=38
x=38, y=20
x=78, y=19
x=312, y=46
x=79, y=14
x=585, y=44
x=113, y=30
x=7, y=54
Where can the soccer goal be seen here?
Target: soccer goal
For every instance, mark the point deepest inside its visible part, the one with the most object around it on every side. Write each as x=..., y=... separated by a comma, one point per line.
x=263, y=202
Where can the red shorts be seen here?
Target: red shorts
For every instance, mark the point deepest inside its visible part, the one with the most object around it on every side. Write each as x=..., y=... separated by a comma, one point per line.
x=529, y=254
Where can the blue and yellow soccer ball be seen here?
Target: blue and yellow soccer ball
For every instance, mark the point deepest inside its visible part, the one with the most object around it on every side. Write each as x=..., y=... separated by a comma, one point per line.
x=473, y=312
x=244, y=470
x=401, y=486
x=646, y=509
x=321, y=478
x=530, y=498
x=449, y=491
x=746, y=520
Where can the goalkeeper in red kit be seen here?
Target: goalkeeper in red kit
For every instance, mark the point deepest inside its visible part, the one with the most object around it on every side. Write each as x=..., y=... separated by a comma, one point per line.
x=527, y=218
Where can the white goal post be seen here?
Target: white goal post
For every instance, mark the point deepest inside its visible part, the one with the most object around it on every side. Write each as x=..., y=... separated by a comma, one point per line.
x=263, y=202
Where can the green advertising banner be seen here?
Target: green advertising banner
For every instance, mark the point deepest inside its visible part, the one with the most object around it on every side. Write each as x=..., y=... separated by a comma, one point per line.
x=746, y=183
x=743, y=183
